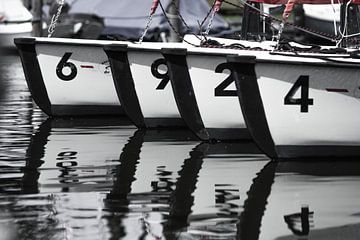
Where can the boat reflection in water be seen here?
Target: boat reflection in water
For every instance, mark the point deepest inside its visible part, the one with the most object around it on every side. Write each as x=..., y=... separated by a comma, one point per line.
x=68, y=155
x=164, y=184
x=67, y=162
x=172, y=196
x=314, y=200
x=103, y=179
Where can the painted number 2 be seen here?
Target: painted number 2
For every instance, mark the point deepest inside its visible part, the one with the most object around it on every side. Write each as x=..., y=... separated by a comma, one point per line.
x=304, y=101
x=220, y=91
x=163, y=76
x=64, y=63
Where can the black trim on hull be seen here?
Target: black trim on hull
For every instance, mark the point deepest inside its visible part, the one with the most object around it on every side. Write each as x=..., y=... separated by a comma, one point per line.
x=34, y=156
x=325, y=152
x=94, y=121
x=85, y=110
x=164, y=122
x=33, y=75
x=124, y=83
x=183, y=90
x=229, y=134
x=243, y=69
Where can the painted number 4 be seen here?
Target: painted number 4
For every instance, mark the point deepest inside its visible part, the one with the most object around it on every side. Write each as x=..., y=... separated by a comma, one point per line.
x=304, y=101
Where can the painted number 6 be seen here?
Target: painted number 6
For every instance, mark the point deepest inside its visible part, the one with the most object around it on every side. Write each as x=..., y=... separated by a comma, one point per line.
x=64, y=63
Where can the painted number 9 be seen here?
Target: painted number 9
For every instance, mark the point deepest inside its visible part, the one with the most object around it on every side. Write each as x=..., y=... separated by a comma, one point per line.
x=64, y=63
x=163, y=76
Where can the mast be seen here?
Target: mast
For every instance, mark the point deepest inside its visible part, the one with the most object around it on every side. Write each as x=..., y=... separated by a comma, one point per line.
x=174, y=21
x=251, y=24
x=349, y=22
x=37, y=17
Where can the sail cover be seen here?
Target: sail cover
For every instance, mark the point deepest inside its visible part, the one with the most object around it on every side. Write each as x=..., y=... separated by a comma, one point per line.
x=129, y=17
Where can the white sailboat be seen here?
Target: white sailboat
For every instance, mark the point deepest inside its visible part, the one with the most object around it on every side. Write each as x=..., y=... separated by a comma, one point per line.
x=72, y=77
x=205, y=91
x=300, y=104
x=69, y=77
x=143, y=84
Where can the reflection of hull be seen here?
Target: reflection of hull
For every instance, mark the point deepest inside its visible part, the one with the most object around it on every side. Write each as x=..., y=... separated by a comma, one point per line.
x=308, y=107
x=143, y=87
x=326, y=188
x=69, y=77
x=233, y=185
x=349, y=232
x=173, y=193
x=145, y=180
x=66, y=155
x=203, y=93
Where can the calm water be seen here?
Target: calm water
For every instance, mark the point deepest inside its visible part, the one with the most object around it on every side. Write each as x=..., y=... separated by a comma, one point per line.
x=104, y=179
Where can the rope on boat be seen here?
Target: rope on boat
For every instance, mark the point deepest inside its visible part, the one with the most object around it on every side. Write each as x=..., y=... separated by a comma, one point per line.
x=55, y=18
x=209, y=43
x=284, y=45
x=154, y=6
x=173, y=28
x=288, y=9
x=215, y=8
x=323, y=35
x=183, y=21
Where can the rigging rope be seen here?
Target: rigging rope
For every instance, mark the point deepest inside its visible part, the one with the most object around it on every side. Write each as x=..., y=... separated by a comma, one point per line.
x=55, y=18
x=172, y=27
x=283, y=45
x=215, y=8
x=323, y=35
x=153, y=8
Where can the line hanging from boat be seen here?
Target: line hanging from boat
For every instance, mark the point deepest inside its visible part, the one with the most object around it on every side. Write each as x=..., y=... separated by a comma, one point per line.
x=55, y=18
x=154, y=6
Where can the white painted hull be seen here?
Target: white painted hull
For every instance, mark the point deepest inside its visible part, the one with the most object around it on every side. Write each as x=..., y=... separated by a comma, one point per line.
x=143, y=85
x=326, y=126
x=155, y=102
x=216, y=109
x=207, y=101
x=69, y=77
x=205, y=92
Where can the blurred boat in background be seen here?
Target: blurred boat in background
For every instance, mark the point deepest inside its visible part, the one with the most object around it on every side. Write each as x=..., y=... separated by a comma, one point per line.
x=15, y=21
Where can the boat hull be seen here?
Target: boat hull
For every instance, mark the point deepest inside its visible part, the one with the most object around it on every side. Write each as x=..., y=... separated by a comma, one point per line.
x=206, y=99
x=301, y=110
x=69, y=78
x=143, y=86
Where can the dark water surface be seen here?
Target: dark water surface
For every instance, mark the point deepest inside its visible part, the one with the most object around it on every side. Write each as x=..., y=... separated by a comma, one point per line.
x=104, y=179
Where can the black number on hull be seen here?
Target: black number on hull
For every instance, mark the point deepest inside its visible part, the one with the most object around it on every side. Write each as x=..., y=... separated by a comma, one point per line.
x=220, y=90
x=64, y=63
x=163, y=76
x=304, y=101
